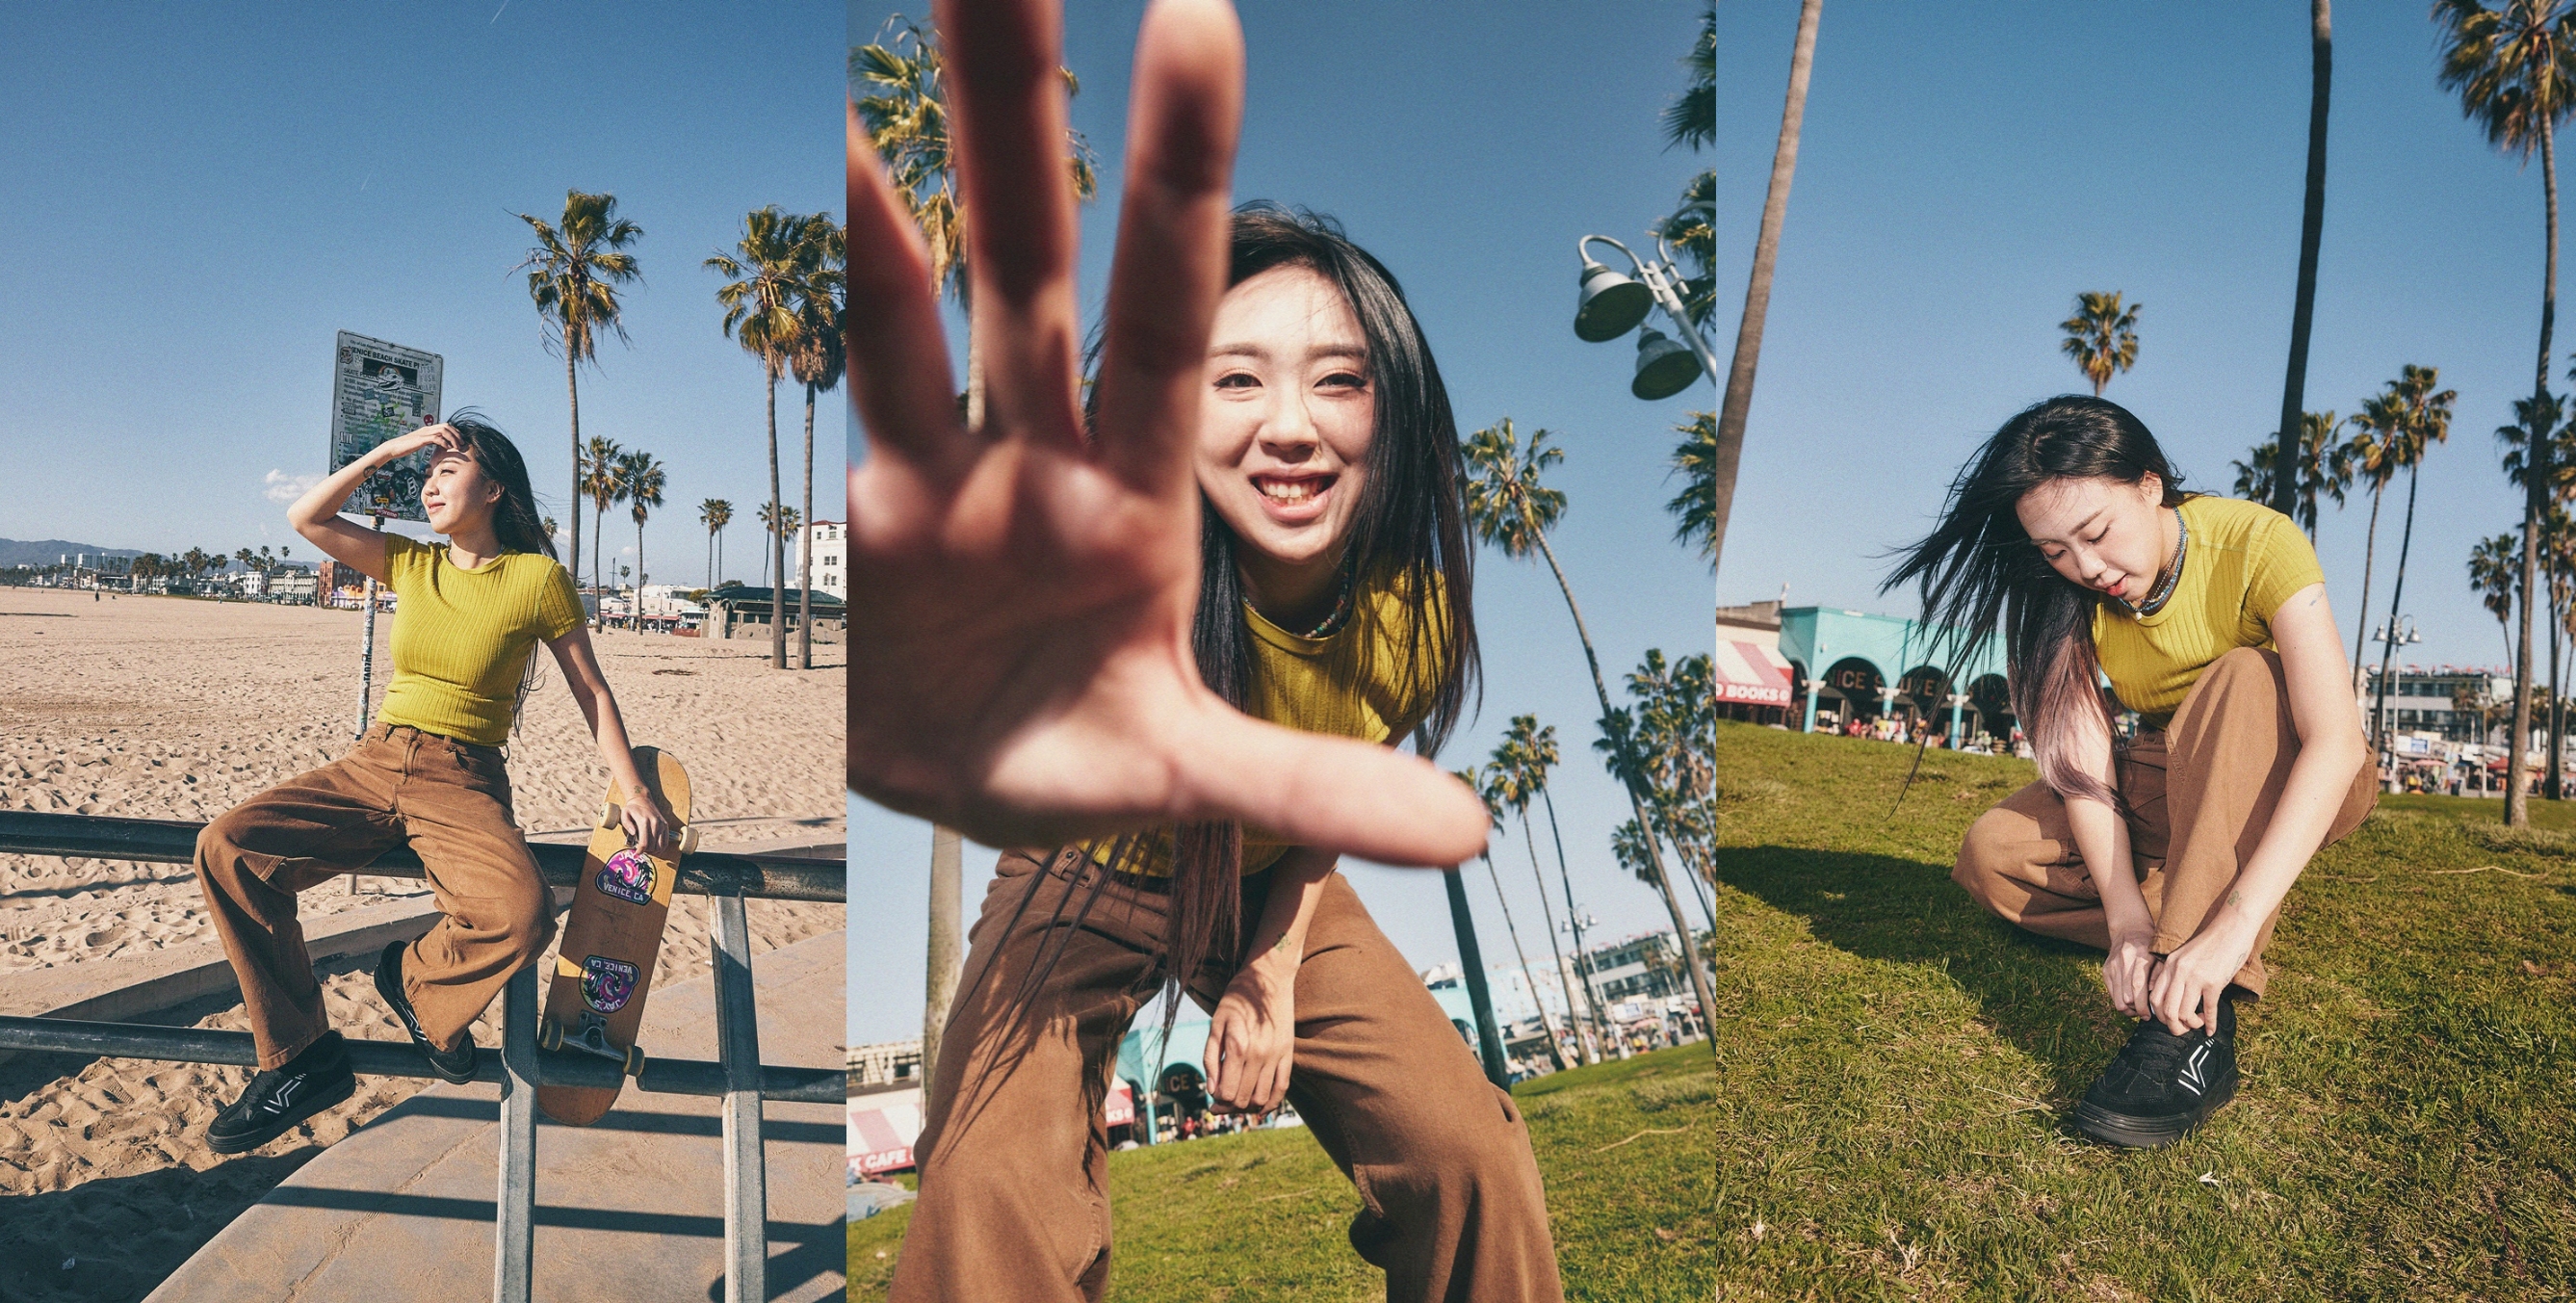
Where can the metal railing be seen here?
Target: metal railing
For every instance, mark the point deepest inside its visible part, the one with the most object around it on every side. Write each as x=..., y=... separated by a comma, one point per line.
x=736, y=1075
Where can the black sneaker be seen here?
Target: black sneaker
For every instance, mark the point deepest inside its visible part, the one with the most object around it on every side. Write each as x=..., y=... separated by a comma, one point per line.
x=2162, y=1085
x=456, y=1065
x=279, y=1098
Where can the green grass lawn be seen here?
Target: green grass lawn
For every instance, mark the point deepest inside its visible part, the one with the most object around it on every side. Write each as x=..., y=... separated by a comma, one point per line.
x=1896, y=1067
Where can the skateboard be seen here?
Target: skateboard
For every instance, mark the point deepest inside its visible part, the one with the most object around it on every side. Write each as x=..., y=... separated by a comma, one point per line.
x=605, y=965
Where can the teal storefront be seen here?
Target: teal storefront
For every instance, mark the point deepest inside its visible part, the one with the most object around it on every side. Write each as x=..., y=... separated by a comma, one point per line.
x=1851, y=664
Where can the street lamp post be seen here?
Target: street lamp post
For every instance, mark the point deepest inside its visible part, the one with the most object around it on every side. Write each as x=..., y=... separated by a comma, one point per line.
x=2398, y=632
x=1612, y=305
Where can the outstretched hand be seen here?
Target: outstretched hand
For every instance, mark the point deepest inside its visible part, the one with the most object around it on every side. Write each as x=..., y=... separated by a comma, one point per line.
x=1020, y=654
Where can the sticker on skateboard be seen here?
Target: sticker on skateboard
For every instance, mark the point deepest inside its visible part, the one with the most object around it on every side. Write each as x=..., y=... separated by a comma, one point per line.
x=628, y=876
x=606, y=984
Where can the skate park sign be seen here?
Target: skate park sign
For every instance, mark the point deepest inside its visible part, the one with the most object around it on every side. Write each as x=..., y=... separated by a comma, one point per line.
x=378, y=391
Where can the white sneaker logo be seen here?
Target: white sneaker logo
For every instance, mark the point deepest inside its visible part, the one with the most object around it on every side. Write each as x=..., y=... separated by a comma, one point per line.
x=285, y=1095
x=2191, y=1079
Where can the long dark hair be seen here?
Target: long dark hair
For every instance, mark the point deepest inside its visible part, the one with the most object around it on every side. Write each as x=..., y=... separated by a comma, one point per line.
x=514, y=517
x=1981, y=573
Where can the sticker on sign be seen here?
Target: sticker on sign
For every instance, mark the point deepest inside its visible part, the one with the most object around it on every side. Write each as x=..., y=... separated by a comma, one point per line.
x=378, y=391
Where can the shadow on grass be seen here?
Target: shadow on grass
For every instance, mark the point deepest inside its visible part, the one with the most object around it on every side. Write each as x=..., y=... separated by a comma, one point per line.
x=2043, y=995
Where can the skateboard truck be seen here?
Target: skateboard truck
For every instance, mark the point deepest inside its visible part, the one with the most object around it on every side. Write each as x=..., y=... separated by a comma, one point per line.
x=592, y=1038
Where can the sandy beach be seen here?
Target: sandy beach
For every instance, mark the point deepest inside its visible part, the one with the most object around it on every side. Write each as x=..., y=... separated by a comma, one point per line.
x=175, y=708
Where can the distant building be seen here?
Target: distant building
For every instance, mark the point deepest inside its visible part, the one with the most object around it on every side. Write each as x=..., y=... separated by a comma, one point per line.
x=884, y=1064
x=2457, y=704
x=831, y=557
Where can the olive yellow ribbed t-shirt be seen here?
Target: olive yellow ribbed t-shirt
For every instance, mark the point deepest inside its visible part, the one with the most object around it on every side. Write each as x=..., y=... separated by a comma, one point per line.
x=462, y=637
x=2243, y=562
x=1350, y=683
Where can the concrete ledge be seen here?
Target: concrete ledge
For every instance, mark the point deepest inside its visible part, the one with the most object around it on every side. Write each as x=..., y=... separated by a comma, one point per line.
x=631, y=1208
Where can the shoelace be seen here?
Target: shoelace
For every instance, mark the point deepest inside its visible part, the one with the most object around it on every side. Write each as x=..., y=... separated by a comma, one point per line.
x=2153, y=1052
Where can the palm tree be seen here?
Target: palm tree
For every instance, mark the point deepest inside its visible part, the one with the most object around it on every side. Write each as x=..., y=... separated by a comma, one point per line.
x=1489, y=790
x=1513, y=511
x=816, y=360
x=2102, y=336
x=2423, y=419
x=2325, y=467
x=598, y=480
x=1537, y=746
x=2495, y=571
x=764, y=277
x=1517, y=776
x=905, y=113
x=2514, y=67
x=1738, y=400
x=2312, y=222
x=1695, y=507
x=777, y=523
x=2537, y=460
x=642, y=478
x=715, y=514
x=2373, y=452
x=573, y=275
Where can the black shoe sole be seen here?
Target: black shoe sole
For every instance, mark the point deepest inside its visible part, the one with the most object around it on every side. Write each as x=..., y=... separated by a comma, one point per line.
x=2130, y=1132
x=388, y=979
x=285, y=1122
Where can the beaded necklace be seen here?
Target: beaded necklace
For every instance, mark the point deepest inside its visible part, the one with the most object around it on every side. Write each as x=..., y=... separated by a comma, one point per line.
x=1340, y=614
x=2173, y=574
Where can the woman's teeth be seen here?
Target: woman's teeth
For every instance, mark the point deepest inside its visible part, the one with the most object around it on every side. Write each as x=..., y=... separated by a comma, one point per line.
x=1289, y=490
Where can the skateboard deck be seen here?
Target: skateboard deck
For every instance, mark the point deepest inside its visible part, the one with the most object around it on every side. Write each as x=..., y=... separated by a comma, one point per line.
x=610, y=940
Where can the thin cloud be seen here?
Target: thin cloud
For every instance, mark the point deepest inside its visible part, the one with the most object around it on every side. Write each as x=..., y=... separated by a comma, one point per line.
x=283, y=487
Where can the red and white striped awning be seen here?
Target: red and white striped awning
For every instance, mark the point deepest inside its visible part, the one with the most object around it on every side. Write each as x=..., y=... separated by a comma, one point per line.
x=1751, y=673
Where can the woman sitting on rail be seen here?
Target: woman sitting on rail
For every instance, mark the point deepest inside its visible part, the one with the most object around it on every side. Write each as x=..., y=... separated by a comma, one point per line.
x=2071, y=535
x=428, y=772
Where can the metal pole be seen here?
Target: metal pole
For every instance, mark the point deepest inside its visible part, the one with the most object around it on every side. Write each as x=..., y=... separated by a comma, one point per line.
x=514, y=1220
x=1671, y=302
x=738, y=1047
x=367, y=649
x=1489, y=1038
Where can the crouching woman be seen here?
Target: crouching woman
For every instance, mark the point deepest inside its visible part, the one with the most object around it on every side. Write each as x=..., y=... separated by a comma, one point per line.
x=2071, y=536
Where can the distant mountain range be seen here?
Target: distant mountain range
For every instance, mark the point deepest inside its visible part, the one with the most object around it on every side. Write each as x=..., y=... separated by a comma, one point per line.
x=51, y=551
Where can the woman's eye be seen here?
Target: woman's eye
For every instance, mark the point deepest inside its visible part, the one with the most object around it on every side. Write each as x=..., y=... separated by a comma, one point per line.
x=1238, y=380
x=1342, y=380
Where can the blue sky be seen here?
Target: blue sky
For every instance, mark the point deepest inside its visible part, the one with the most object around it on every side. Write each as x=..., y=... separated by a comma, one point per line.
x=200, y=196
x=1961, y=178
x=1469, y=168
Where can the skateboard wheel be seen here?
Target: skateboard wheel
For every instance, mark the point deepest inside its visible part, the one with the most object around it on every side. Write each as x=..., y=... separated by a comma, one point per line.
x=549, y=1035
x=635, y=1060
x=689, y=840
x=607, y=814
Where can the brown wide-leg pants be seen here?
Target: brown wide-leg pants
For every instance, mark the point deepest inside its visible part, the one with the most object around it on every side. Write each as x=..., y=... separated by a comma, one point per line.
x=2200, y=792
x=451, y=801
x=1014, y=1157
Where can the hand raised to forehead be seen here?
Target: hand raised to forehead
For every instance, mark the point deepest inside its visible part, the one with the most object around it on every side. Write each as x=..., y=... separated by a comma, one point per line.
x=1020, y=664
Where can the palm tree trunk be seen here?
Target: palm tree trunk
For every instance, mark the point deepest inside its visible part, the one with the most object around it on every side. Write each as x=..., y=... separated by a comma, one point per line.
x=572, y=391
x=945, y=948
x=2535, y=499
x=805, y=549
x=1574, y=920
x=2381, y=743
x=1555, y=1051
x=777, y=534
x=1564, y=971
x=639, y=571
x=1636, y=800
x=2369, y=553
x=1757, y=291
x=2555, y=786
x=2312, y=222
x=942, y=961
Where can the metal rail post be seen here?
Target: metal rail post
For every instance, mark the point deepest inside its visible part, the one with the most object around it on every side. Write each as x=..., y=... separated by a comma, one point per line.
x=514, y=1220
x=738, y=1048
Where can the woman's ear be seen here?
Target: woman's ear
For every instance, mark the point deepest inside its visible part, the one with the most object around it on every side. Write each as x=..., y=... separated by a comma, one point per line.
x=2153, y=486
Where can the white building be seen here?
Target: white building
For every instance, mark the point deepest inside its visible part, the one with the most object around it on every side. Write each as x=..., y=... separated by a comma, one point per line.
x=831, y=559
